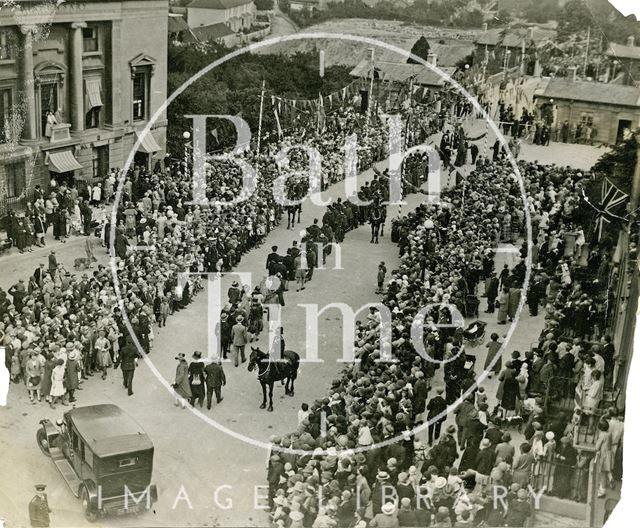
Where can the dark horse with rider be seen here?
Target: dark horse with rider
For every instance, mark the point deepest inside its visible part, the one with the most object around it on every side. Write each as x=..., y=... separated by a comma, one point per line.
x=271, y=369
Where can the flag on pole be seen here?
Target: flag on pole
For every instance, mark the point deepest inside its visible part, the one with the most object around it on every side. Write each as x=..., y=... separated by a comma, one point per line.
x=612, y=203
x=322, y=118
x=275, y=113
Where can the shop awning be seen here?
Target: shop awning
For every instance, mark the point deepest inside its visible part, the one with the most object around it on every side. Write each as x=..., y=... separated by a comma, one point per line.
x=93, y=87
x=148, y=143
x=63, y=161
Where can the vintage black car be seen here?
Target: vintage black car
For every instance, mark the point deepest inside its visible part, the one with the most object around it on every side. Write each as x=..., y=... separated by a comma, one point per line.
x=104, y=456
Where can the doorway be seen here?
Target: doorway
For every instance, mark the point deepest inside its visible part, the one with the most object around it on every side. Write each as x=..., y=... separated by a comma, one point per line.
x=623, y=124
x=101, y=162
x=141, y=159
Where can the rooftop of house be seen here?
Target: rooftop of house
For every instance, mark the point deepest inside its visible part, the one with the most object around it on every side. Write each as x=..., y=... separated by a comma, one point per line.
x=513, y=38
x=211, y=32
x=177, y=23
x=622, y=51
x=401, y=72
x=591, y=92
x=217, y=4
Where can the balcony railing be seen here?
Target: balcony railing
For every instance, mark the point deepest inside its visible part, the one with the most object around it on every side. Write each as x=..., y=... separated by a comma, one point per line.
x=60, y=132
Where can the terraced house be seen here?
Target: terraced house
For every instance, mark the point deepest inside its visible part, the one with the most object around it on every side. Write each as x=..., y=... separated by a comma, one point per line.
x=78, y=84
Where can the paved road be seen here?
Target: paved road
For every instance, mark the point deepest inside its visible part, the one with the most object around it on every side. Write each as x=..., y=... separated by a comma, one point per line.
x=281, y=24
x=189, y=452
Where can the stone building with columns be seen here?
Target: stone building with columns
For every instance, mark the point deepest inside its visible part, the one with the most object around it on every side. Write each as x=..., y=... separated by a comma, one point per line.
x=78, y=84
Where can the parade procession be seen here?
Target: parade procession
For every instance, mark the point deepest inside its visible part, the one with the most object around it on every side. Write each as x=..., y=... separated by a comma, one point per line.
x=307, y=264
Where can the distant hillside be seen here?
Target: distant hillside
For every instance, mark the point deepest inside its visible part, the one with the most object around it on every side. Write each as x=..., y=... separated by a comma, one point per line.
x=450, y=45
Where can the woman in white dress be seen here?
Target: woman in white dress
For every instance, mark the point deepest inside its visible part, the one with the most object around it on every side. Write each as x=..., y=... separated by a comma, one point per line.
x=76, y=220
x=57, y=383
x=96, y=194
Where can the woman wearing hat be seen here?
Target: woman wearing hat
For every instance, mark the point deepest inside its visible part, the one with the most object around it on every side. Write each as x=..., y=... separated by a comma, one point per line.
x=34, y=370
x=196, y=379
x=181, y=383
x=57, y=383
x=102, y=347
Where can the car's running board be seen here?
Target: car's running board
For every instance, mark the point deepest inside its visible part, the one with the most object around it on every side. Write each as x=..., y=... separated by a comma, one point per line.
x=69, y=475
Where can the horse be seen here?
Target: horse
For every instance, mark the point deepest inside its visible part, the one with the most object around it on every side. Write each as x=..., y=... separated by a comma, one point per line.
x=270, y=371
x=377, y=218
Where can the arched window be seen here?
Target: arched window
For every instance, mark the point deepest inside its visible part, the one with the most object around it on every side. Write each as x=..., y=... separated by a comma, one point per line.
x=49, y=79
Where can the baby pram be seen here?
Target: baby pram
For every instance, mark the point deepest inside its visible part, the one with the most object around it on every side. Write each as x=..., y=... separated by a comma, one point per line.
x=474, y=333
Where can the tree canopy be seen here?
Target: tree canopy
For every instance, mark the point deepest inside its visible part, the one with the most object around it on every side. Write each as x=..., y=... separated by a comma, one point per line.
x=234, y=88
x=420, y=49
x=620, y=162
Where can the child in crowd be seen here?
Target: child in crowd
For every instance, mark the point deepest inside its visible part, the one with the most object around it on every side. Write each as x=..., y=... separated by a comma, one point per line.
x=303, y=413
x=382, y=272
x=481, y=396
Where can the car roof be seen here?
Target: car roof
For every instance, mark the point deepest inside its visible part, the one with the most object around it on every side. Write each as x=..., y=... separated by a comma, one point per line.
x=108, y=430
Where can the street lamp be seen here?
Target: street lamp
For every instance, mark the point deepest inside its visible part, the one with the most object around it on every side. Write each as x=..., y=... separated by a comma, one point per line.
x=186, y=135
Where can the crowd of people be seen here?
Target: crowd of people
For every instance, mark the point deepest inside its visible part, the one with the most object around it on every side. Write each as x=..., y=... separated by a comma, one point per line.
x=371, y=468
x=60, y=328
x=368, y=468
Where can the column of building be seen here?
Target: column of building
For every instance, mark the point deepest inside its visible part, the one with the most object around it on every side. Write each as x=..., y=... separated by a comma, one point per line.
x=28, y=83
x=76, y=85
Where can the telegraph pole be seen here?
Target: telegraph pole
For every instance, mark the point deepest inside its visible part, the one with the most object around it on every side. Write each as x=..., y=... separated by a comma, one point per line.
x=586, y=53
x=635, y=183
x=260, y=118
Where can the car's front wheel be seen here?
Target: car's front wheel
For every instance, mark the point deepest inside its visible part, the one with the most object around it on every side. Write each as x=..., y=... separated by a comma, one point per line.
x=89, y=512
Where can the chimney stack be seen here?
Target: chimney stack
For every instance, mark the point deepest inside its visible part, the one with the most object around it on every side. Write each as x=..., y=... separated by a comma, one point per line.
x=485, y=27
x=573, y=70
x=432, y=58
x=530, y=33
x=631, y=41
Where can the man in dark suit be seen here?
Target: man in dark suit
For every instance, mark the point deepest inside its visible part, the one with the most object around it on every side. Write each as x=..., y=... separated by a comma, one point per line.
x=128, y=356
x=39, y=275
x=215, y=381
x=53, y=262
x=492, y=292
x=436, y=405
x=272, y=258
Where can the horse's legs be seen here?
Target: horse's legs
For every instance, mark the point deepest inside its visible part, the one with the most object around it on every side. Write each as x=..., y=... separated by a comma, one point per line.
x=291, y=391
x=264, y=395
x=270, y=408
x=373, y=230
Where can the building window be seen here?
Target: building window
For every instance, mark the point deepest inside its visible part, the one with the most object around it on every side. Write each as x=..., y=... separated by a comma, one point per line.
x=92, y=118
x=101, y=162
x=5, y=113
x=6, y=53
x=140, y=95
x=586, y=119
x=16, y=179
x=48, y=106
x=87, y=455
x=90, y=39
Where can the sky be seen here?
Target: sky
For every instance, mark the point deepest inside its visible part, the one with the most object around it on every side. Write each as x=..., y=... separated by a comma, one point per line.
x=627, y=7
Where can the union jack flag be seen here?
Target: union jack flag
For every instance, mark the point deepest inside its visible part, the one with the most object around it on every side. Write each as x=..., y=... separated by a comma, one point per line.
x=612, y=205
